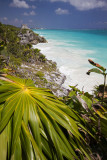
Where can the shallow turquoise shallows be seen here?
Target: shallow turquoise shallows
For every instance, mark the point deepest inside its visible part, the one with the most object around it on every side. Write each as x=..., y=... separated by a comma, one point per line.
x=95, y=40
x=72, y=48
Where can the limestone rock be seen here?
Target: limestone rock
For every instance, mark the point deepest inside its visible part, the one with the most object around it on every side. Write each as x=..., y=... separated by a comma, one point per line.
x=28, y=36
x=52, y=80
x=24, y=26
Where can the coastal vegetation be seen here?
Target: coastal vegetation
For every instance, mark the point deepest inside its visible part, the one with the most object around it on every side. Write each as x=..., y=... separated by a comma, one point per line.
x=15, y=52
x=37, y=125
x=19, y=58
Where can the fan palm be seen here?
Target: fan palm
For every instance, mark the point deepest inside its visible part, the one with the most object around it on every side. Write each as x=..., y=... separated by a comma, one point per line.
x=34, y=124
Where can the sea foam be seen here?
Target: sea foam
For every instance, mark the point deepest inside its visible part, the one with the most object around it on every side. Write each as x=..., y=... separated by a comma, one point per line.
x=72, y=61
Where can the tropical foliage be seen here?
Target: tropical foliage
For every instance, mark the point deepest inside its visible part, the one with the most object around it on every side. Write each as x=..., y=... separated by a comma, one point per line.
x=14, y=52
x=93, y=116
x=99, y=70
x=34, y=124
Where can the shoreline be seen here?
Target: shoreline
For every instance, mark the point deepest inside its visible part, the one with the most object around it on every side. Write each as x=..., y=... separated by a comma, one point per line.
x=27, y=63
x=74, y=75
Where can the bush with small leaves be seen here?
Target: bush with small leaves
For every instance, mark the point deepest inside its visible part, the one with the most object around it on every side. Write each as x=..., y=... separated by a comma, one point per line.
x=40, y=74
x=15, y=62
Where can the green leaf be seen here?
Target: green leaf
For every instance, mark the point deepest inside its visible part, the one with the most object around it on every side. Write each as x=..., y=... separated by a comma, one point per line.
x=97, y=65
x=34, y=123
x=95, y=70
x=72, y=93
x=57, y=138
x=87, y=100
x=8, y=110
x=3, y=144
x=9, y=139
x=17, y=120
x=38, y=152
x=18, y=151
x=27, y=150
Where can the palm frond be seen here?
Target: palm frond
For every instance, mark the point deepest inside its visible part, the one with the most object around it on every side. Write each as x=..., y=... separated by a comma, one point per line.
x=38, y=124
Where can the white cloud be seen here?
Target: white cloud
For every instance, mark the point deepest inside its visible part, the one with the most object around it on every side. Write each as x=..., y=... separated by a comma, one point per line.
x=5, y=18
x=25, y=14
x=19, y=4
x=61, y=11
x=32, y=13
x=33, y=6
x=85, y=4
x=16, y=20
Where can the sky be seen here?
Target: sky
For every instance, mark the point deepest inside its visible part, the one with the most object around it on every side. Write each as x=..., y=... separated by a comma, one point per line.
x=55, y=14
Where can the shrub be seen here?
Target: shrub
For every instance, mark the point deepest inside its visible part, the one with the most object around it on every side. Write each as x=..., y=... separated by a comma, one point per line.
x=15, y=49
x=24, y=31
x=36, y=50
x=40, y=74
x=42, y=58
x=15, y=62
x=2, y=61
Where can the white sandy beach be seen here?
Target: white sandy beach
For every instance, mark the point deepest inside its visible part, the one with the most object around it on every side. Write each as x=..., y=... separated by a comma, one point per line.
x=73, y=63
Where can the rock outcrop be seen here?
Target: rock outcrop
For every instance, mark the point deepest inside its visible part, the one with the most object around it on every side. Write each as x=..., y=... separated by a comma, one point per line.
x=24, y=26
x=25, y=62
x=44, y=75
x=27, y=36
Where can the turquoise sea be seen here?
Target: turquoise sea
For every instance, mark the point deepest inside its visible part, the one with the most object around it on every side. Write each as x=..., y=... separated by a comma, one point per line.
x=71, y=49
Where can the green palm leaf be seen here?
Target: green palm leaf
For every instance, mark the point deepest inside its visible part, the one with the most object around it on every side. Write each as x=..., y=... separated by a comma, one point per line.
x=36, y=122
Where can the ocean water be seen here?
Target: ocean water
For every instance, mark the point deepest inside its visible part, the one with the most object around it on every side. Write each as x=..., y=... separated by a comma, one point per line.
x=71, y=49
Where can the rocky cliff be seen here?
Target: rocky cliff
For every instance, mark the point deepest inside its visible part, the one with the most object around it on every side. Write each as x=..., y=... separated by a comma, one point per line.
x=20, y=59
x=27, y=36
x=45, y=75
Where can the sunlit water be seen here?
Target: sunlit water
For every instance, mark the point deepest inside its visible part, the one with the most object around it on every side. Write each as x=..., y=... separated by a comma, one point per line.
x=71, y=49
